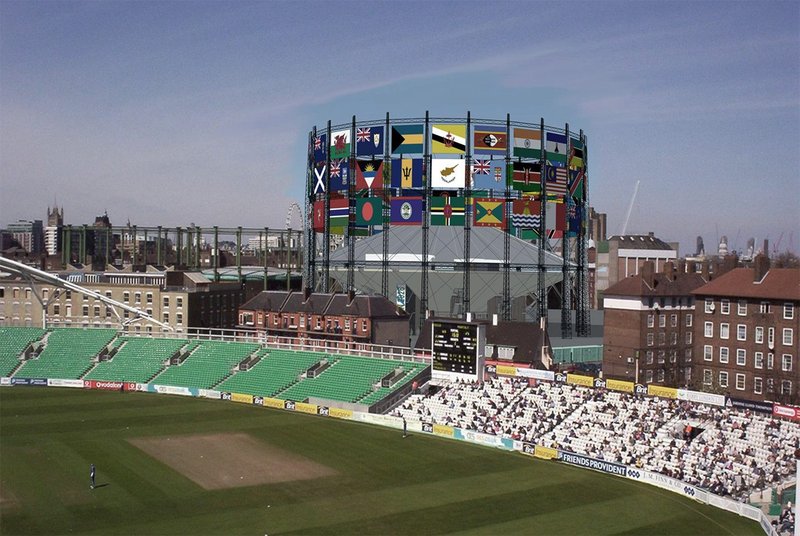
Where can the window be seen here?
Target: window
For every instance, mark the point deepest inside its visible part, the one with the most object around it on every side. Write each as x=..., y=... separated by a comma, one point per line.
x=741, y=308
x=662, y=321
x=709, y=329
x=364, y=325
x=302, y=321
x=149, y=297
x=179, y=301
x=688, y=320
x=166, y=301
x=673, y=356
x=709, y=305
x=786, y=362
x=771, y=337
x=724, y=330
x=126, y=297
x=759, y=359
x=759, y=335
x=723, y=354
x=708, y=352
x=166, y=318
x=788, y=336
x=651, y=320
x=660, y=376
x=741, y=357
x=687, y=355
x=45, y=293
x=788, y=311
x=673, y=321
x=764, y=307
x=68, y=296
x=723, y=378
x=108, y=294
x=673, y=338
x=770, y=361
x=662, y=338
x=786, y=387
x=741, y=332
x=740, y=384
x=688, y=337
x=661, y=356
x=179, y=318
x=96, y=310
x=649, y=357
x=649, y=339
x=85, y=310
x=770, y=385
x=85, y=296
x=56, y=309
x=725, y=307
x=137, y=296
x=347, y=324
x=758, y=385
x=708, y=378
x=648, y=376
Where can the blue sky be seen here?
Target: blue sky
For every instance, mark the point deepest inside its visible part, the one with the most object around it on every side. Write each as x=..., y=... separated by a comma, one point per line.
x=180, y=112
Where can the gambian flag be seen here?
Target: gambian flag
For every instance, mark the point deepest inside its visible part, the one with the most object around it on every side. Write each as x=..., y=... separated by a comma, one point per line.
x=340, y=144
x=489, y=213
x=407, y=139
x=526, y=213
x=489, y=140
x=368, y=211
x=527, y=177
x=527, y=143
x=447, y=210
x=448, y=139
x=339, y=215
x=556, y=147
x=576, y=154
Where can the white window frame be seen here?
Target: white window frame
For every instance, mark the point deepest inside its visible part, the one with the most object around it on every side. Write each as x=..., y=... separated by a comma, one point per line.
x=770, y=361
x=758, y=360
x=771, y=337
x=688, y=337
x=649, y=357
x=786, y=387
x=723, y=378
x=788, y=311
x=758, y=385
x=651, y=320
x=724, y=354
x=741, y=308
x=650, y=339
x=708, y=329
x=741, y=357
x=648, y=376
x=740, y=382
x=688, y=320
x=724, y=330
x=673, y=320
x=741, y=332
x=788, y=337
x=662, y=321
x=786, y=362
x=758, y=337
x=709, y=305
x=725, y=306
x=708, y=377
x=708, y=353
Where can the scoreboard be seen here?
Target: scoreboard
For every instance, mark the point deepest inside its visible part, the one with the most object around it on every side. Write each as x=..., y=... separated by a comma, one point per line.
x=456, y=348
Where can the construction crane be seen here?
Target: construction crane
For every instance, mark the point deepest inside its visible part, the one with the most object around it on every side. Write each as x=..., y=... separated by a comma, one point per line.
x=630, y=208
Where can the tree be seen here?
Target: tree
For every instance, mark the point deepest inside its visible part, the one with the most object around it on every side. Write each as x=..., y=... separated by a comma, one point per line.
x=787, y=259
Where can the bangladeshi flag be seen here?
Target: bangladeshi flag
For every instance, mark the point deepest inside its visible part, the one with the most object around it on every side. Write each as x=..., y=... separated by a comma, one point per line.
x=369, y=211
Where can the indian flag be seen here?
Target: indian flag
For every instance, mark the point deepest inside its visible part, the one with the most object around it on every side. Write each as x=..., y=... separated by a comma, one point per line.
x=527, y=143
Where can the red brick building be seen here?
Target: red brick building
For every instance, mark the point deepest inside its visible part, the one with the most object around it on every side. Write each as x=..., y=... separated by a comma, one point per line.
x=748, y=327
x=649, y=326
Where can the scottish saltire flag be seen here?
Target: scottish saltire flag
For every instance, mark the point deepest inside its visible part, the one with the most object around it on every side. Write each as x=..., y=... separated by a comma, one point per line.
x=369, y=174
x=369, y=211
x=369, y=141
x=340, y=144
x=448, y=174
x=320, y=147
x=407, y=139
x=527, y=177
x=407, y=173
x=489, y=213
x=319, y=178
x=556, y=148
x=447, y=210
x=339, y=210
x=575, y=154
x=406, y=211
x=448, y=139
x=339, y=176
x=556, y=183
x=527, y=143
x=526, y=213
x=489, y=140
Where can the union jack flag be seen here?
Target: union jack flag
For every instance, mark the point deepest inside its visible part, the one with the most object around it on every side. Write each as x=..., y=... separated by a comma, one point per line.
x=481, y=167
x=317, y=143
x=363, y=134
x=336, y=170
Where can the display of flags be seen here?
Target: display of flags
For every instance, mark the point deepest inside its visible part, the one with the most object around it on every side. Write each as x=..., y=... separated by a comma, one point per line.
x=489, y=213
x=319, y=178
x=448, y=139
x=489, y=140
x=319, y=216
x=407, y=173
x=369, y=174
x=369, y=141
x=576, y=178
x=320, y=148
x=527, y=177
x=575, y=154
x=556, y=148
x=340, y=144
x=407, y=139
x=527, y=143
x=339, y=209
x=406, y=210
x=526, y=213
x=574, y=213
x=339, y=175
x=447, y=210
x=555, y=220
x=556, y=183
x=481, y=167
x=447, y=174
x=369, y=211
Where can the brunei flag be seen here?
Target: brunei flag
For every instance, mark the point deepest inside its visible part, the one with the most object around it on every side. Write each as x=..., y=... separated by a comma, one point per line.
x=448, y=139
x=489, y=213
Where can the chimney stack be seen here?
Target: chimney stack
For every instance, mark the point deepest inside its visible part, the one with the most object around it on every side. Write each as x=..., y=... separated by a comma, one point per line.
x=704, y=270
x=681, y=266
x=648, y=273
x=669, y=270
x=760, y=267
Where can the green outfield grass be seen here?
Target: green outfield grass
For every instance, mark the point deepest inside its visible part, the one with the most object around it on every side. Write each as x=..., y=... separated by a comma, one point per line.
x=385, y=484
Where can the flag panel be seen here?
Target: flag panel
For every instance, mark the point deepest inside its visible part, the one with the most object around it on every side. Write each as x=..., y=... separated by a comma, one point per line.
x=407, y=139
x=320, y=148
x=319, y=216
x=526, y=213
x=319, y=178
x=447, y=174
x=369, y=211
x=407, y=173
x=339, y=211
x=340, y=144
x=448, y=139
x=489, y=140
x=575, y=154
x=527, y=177
x=556, y=148
x=369, y=174
x=339, y=176
x=406, y=211
x=527, y=143
x=556, y=183
x=489, y=212
x=369, y=141
x=447, y=210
